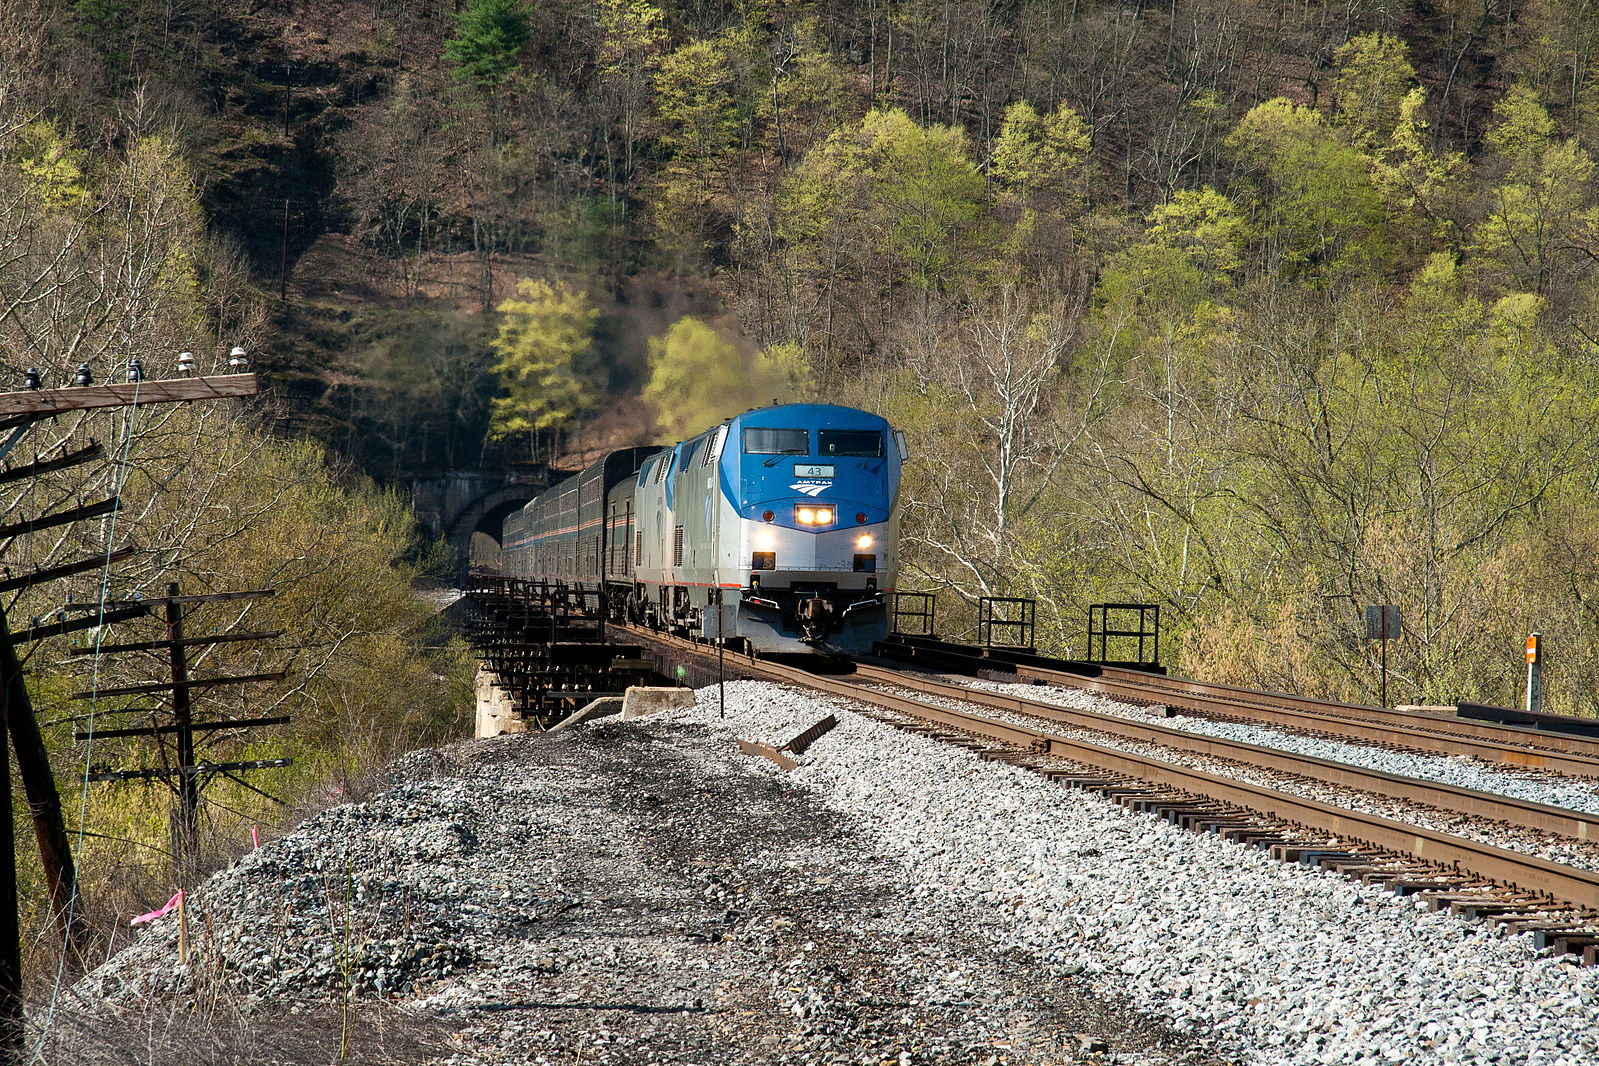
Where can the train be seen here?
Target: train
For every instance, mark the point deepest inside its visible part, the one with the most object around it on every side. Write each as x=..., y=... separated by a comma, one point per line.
x=777, y=530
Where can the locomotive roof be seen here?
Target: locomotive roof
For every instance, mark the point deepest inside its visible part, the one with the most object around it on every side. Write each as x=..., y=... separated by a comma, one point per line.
x=787, y=413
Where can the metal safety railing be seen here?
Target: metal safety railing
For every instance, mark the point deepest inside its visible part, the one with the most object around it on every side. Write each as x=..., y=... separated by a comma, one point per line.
x=1011, y=616
x=1103, y=639
x=913, y=608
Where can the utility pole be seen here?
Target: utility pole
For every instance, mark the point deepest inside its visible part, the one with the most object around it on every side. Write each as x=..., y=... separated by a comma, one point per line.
x=189, y=776
x=19, y=411
x=188, y=787
x=12, y=1032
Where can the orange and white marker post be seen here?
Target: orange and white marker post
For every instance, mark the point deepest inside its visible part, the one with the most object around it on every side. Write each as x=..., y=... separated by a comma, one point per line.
x=1535, y=653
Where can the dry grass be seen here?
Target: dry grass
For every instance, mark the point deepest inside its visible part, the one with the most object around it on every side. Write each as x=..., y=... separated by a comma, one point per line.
x=211, y=1026
x=125, y=881
x=188, y=1032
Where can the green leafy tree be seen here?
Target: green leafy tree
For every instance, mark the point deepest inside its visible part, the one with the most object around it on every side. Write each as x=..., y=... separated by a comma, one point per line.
x=1542, y=216
x=1037, y=165
x=485, y=52
x=546, y=332
x=782, y=372
x=697, y=114
x=1205, y=226
x=697, y=378
x=632, y=34
x=807, y=87
x=1374, y=77
x=1322, y=210
x=46, y=162
x=911, y=191
x=925, y=194
x=1036, y=153
x=489, y=35
x=695, y=107
x=806, y=241
x=1415, y=180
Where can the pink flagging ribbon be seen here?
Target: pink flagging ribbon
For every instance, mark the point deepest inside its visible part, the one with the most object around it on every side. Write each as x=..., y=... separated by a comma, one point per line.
x=153, y=915
x=255, y=836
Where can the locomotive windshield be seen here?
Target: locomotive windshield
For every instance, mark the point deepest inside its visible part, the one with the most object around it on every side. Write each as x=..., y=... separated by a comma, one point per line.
x=863, y=442
x=761, y=441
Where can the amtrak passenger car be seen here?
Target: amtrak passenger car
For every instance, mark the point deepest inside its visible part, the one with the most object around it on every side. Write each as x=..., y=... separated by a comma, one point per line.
x=791, y=511
x=788, y=514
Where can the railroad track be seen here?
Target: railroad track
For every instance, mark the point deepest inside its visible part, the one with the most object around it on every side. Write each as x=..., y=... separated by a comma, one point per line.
x=1558, y=903
x=1576, y=756
x=1521, y=813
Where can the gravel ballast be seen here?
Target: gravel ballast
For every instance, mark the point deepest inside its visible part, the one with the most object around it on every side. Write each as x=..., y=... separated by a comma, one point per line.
x=1460, y=771
x=637, y=892
x=643, y=892
x=1553, y=847
x=1281, y=963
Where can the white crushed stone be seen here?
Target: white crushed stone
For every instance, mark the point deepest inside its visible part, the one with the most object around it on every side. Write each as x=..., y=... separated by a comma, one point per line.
x=1461, y=771
x=1553, y=847
x=1280, y=963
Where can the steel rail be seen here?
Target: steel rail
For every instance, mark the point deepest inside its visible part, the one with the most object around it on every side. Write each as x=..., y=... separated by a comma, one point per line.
x=1269, y=700
x=1516, y=745
x=1576, y=886
x=1413, y=736
x=1569, y=884
x=1523, y=813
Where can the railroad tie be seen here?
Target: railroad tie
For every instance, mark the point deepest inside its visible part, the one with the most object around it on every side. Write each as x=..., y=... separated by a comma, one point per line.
x=1576, y=944
x=1547, y=922
x=1570, y=933
x=1482, y=910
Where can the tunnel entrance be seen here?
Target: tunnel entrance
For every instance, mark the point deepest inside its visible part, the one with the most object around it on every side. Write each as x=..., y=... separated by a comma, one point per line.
x=483, y=544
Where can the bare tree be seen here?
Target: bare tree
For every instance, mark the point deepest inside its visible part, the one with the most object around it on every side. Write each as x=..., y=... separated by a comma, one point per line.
x=1004, y=418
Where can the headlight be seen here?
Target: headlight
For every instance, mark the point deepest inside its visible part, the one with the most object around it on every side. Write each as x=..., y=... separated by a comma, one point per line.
x=806, y=516
x=863, y=541
x=823, y=516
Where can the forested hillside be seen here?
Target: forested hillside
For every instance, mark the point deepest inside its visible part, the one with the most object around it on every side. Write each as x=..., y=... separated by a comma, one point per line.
x=1263, y=312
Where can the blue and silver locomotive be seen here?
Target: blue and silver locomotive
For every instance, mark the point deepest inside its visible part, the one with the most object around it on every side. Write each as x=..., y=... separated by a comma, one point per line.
x=787, y=516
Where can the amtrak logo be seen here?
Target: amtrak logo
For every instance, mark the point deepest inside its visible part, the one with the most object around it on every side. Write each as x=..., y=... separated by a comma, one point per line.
x=810, y=488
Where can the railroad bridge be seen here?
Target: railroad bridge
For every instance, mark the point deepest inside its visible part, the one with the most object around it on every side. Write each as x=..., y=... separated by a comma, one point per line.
x=459, y=504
